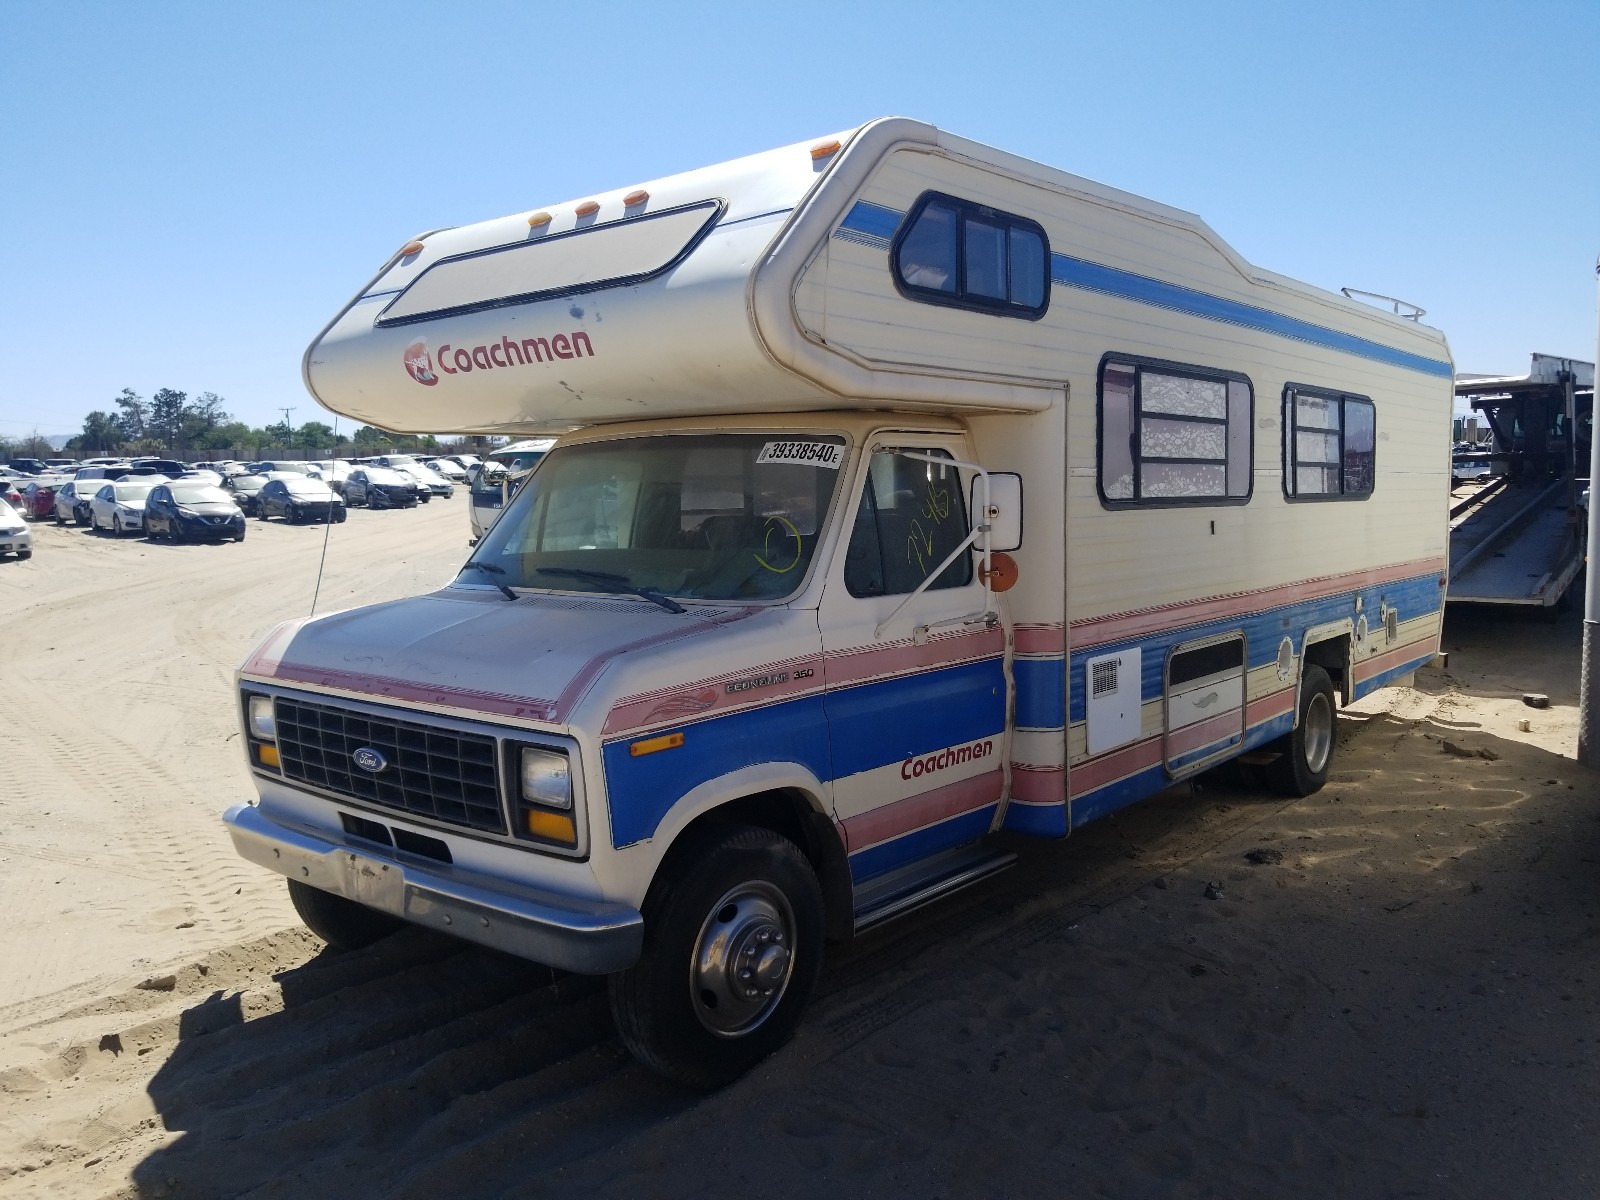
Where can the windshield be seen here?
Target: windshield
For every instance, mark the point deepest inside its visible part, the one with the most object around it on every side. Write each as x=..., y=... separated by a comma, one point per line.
x=307, y=487
x=203, y=494
x=384, y=476
x=708, y=517
x=133, y=491
x=246, y=482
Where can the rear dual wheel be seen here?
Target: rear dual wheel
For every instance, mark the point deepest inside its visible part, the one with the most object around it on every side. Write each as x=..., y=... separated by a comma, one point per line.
x=732, y=950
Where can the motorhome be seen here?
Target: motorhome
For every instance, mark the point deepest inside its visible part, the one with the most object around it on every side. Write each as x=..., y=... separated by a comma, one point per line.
x=906, y=492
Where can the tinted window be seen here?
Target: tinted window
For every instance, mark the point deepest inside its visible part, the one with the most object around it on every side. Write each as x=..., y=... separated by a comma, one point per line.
x=966, y=255
x=199, y=495
x=912, y=515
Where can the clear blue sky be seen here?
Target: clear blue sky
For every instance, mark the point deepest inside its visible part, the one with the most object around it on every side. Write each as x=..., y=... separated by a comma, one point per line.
x=191, y=190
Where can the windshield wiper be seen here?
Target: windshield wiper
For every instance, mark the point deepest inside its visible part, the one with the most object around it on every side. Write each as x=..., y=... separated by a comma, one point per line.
x=617, y=583
x=491, y=569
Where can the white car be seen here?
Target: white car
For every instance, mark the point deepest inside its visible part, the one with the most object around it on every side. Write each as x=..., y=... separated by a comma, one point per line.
x=451, y=470
x=15, y=536
x=119, y=507
x=436, y=483
x=72, y=500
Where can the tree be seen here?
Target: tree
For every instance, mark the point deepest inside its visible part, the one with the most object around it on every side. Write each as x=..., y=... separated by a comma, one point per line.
x=371, y=436
x=315, y=435
x=102, y=432
x=203, y=414
x=165, y=418
x=130, y=421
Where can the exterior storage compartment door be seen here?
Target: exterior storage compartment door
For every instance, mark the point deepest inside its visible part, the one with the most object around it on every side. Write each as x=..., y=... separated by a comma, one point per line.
x=1204, y=702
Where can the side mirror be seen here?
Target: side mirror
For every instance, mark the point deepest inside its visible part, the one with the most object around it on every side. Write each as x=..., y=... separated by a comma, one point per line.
x=1004, y=517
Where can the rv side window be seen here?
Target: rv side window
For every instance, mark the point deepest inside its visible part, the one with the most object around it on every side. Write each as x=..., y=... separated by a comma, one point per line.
x=912, y=515
x=965, y=255
x=1330, y=445
x=1173, y=434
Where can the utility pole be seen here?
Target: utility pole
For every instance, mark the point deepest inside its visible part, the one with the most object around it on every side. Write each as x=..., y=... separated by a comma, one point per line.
x=288, y=429
x=1589, y=681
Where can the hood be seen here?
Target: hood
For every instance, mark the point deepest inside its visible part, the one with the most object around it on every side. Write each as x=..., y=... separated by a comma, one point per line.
x=214, y=508
x=472, y=650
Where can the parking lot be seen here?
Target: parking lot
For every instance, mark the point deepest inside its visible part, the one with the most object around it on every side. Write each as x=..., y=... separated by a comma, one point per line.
x=1384, y=990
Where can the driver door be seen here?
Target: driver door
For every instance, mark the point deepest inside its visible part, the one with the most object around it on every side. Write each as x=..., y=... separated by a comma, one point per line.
x=917, y=712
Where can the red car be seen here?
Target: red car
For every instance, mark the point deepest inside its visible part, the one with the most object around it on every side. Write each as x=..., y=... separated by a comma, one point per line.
x=11, y=494
x=38, y=501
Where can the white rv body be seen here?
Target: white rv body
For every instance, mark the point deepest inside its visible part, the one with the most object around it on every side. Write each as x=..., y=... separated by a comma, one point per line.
x=1151, y=633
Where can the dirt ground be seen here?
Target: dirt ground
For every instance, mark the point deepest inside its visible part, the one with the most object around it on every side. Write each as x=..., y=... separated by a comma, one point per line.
x=1386, y=990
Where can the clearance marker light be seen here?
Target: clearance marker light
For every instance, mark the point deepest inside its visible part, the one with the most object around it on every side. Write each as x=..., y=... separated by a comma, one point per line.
x=667, y=741
x=268, y=756
x=538, y=219
x=410, y=248
x=633, y=198
x=588, y=207
x=823, y=149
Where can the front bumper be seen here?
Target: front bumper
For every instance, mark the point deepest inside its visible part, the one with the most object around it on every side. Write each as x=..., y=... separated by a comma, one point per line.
x=586, y=936
x=11, y=543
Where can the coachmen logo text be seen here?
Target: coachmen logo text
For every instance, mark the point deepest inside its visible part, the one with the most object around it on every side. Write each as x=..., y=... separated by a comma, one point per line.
x=507, y=352
x=915, y=768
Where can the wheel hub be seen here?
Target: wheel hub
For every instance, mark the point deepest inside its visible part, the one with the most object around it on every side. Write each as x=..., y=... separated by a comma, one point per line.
x=742, y=959
x=1318, y=736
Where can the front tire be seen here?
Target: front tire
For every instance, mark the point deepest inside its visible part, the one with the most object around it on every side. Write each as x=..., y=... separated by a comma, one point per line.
x=343, y=924
x=1307, y=754
x=732, y=949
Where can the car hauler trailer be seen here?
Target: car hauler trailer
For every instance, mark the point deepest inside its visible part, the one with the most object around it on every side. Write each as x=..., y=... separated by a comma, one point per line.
x=736, y=672
x=1518, y=539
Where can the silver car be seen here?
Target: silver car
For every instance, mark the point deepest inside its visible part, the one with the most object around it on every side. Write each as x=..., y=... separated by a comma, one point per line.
x=15, y=536
x=72, y=500
x=119, y=507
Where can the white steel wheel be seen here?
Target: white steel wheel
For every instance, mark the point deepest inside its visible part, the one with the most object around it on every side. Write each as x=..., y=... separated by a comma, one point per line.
x=732, y=949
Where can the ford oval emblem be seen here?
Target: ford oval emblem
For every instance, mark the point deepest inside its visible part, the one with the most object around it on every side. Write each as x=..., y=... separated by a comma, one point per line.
x=370, y=760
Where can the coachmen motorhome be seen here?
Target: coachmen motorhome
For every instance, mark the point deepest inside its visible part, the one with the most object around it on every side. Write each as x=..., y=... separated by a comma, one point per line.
x=906, y=492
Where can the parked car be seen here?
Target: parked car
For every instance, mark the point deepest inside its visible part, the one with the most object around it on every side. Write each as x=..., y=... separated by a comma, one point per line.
x=202, y=475
x=449, y=468
x=11, y=493
x=72, y=501
x=244, y=489
x=28, y=466
x=299, y=500
x=334, y=472
x=102, y=470
x=169, y=467
x=426, y=477
x=285, y=466
x=119, y=507
x=15, y=536
x=62, y=466
x=188, y=509
x=377, y=487
x=39, y=498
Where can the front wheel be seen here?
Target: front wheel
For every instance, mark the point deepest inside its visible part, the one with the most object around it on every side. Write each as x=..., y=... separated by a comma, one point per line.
x=343, y=924
x=732, y=949
x=1307, y=753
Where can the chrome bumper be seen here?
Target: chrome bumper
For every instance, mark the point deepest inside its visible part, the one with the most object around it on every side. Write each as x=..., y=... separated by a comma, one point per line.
x=589, y=937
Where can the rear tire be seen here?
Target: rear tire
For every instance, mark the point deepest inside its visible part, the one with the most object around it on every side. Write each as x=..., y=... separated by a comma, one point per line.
x=1307, y=754
x=732, y=949
x=343, y=924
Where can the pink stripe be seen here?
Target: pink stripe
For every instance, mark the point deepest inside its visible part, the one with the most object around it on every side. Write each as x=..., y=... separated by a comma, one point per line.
x=1095, y=631
x=1377, y=665
x=694, y=700
x=419, y=693
x=1039, y=639
x=1038, y=785
x=1097, y=772
x=917, y=812
x=1267, y=707
x=1203, y=733
x=872, y=662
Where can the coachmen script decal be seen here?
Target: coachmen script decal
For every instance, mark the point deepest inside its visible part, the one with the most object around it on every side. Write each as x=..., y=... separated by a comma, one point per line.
x=457, y=360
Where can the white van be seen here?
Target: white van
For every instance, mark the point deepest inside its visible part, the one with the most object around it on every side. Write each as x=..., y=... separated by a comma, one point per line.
x=907, y=491
x=494, y=480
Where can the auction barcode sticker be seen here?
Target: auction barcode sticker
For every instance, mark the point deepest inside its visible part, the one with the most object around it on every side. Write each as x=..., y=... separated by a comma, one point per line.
x=805, y=454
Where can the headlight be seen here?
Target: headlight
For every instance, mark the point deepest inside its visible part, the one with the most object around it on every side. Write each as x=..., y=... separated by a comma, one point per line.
x=187, y=512
x=546, y=778
x=263, y=724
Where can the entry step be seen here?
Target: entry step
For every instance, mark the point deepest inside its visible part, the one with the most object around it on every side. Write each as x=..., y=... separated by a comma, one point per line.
x=908, y=888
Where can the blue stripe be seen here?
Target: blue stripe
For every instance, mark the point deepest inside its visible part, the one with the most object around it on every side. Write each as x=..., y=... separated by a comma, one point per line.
x=1094, y=277
x=872, y=219
x=1038, y=820
x=908, y=848
x=878, y=223
x=832, y=735
x=872, y=724
x=1263, y=630
x=1041, y=692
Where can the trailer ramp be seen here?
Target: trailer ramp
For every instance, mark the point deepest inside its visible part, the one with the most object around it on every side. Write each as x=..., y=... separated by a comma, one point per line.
x=1514, y=544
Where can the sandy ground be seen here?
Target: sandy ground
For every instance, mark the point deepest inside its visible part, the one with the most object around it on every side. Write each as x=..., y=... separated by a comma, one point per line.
x=1386, y=990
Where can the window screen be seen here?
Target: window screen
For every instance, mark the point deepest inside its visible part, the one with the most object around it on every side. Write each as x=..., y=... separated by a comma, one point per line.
x=965, y=255
x=1330, y=445
x=1173, y=434
x=912, y=515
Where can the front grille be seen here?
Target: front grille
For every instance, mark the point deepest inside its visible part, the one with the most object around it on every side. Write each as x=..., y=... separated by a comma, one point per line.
x=437, y=773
